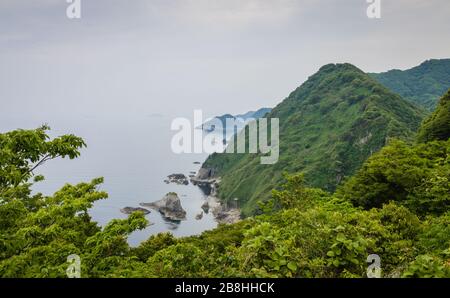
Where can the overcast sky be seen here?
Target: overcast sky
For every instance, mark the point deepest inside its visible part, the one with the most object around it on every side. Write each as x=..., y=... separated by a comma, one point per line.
x=144, y=57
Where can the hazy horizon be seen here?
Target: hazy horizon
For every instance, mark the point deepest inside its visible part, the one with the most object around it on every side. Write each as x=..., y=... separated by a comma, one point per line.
x=150, y=58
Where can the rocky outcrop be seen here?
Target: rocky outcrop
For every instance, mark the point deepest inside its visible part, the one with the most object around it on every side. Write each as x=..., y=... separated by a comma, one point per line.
x=364, y=140
x=223, y=213
x=177, y=178
x=207, y=181
x=129, y=210
x=206, y=173
x=169, y=206
x=205, y=207
x=226, y=215
x=199, y=216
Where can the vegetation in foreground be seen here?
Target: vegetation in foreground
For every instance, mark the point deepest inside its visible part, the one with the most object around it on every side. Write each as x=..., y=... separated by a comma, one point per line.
x=396, y=206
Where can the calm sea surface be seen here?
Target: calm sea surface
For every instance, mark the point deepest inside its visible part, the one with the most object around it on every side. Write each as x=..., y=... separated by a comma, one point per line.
x=134, y=157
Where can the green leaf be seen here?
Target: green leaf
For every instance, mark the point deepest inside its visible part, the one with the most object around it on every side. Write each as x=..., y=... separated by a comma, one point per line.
x=292, y=266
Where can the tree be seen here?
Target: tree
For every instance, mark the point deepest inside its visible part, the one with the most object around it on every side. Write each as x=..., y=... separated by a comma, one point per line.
x=437, y=126
x=37, y=232
x=414, y=176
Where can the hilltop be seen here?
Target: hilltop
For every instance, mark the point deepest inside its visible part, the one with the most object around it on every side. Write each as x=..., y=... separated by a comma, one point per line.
x=328, y=127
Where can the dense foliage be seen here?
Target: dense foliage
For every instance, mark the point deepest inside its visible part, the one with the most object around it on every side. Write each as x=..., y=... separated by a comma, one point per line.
x=303, y=232
x=415, y=176
x=38, y=233
x=328, y=127
x=423, y=84
x=437, y=125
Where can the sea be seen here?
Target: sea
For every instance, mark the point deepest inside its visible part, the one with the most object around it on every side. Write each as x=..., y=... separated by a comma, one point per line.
x=134, y=156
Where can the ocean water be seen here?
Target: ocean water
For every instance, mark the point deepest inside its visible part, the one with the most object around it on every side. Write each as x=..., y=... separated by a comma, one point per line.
x=134, y=156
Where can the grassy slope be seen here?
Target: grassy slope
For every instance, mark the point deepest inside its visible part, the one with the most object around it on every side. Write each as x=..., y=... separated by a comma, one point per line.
x=328, y=127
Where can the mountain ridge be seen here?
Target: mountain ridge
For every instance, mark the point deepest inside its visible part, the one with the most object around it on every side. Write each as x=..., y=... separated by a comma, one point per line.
x=423, y=84
x=328, y=127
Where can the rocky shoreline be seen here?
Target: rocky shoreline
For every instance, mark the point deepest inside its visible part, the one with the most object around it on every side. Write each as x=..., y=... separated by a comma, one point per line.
x=170, y=205
x=222, y=213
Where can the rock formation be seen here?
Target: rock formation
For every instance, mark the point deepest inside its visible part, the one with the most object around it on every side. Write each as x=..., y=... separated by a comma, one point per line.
x=169, y=206
x=129, y=210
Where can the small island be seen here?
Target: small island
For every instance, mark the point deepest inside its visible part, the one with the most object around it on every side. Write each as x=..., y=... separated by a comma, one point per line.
x=180, y=179
x=169, y=206
x=129, y=210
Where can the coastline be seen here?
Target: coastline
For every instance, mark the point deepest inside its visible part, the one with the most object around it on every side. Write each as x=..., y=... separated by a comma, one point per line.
x=222, y=213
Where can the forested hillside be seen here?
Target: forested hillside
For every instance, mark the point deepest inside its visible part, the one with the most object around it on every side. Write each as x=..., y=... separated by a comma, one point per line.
x=423, y=84
x=437, y=125
x=328, y=128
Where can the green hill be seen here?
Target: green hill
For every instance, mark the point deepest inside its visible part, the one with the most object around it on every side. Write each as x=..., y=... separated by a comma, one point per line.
x=423, y=84
x=328, y=127
x=416, y=176
x=437, y=125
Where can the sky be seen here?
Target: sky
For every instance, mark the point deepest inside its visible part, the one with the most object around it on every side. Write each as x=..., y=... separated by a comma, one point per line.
x=168, y=57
